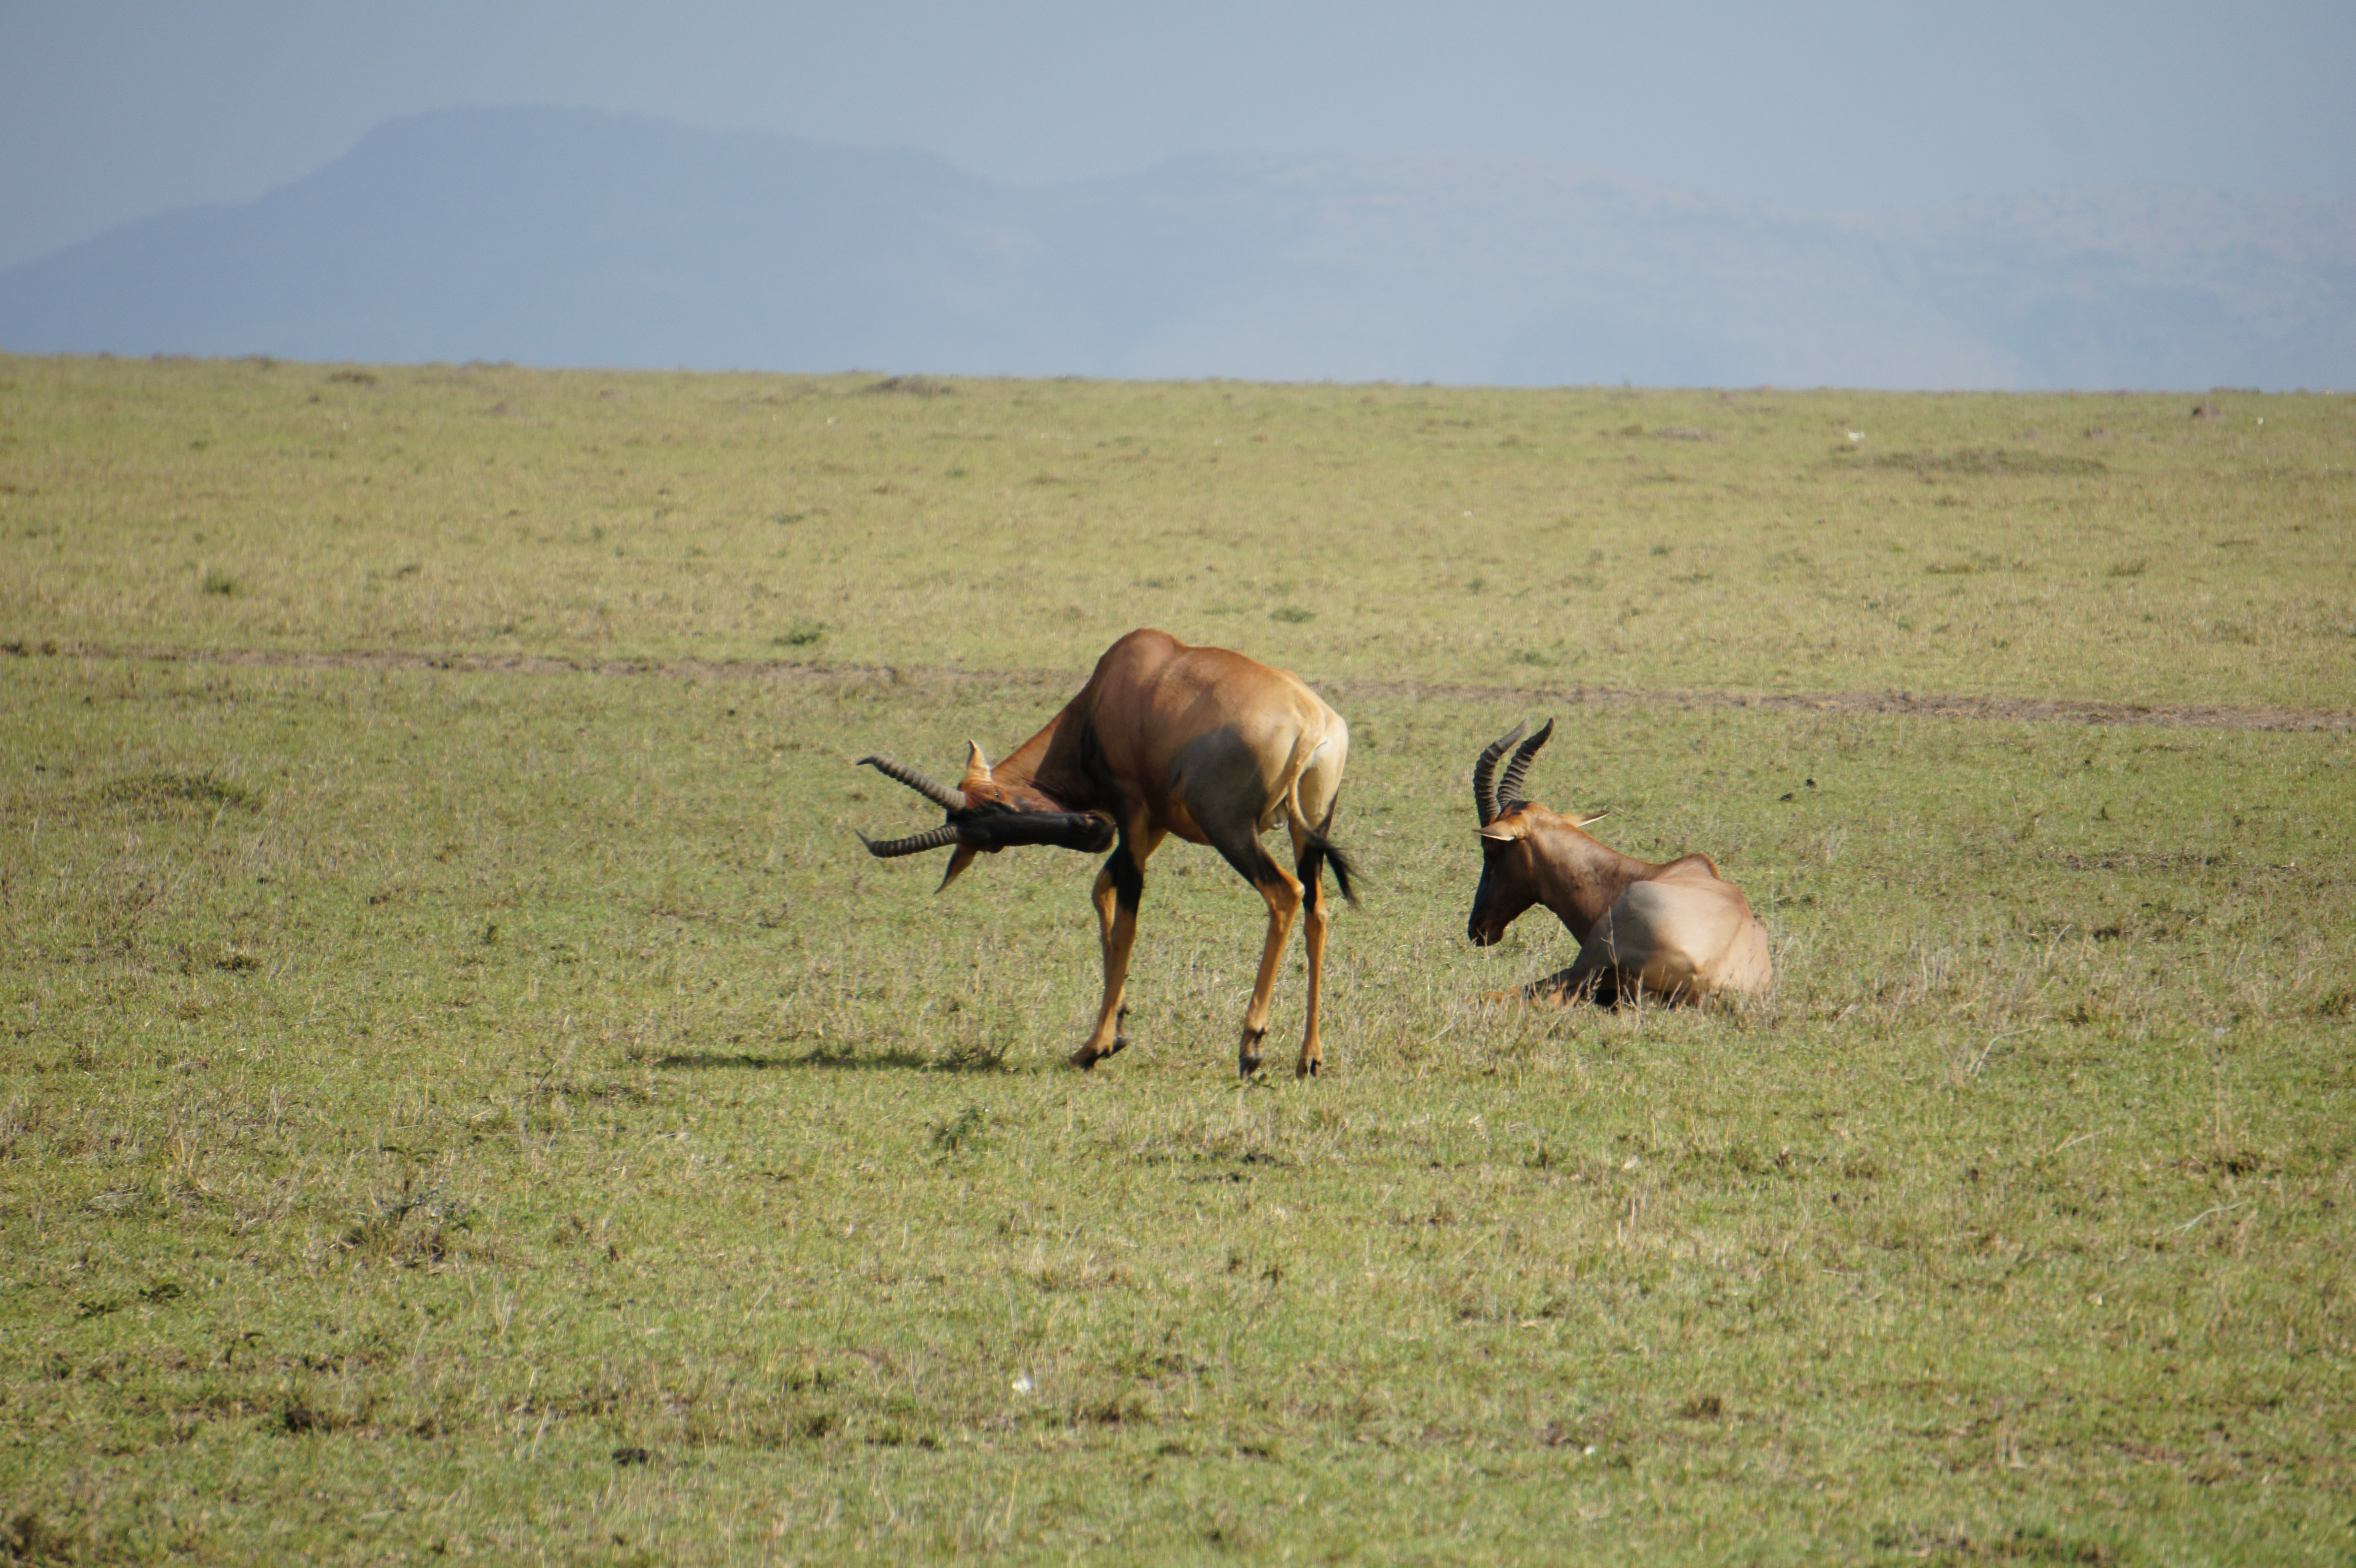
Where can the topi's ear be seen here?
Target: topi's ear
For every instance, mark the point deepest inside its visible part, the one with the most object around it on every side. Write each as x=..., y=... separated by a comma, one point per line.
x=1585, y=822
x=977, y=769
x=958, y=862
x=1506, y=828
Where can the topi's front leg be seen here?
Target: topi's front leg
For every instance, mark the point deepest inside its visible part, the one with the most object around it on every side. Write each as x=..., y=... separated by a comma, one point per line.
x=1120, y=889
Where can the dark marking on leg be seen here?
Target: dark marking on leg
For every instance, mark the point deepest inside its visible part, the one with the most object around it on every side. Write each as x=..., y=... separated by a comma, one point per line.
x=1603, y=988
x=1248, y=1058
x=1250, y=860
x=1128, y=878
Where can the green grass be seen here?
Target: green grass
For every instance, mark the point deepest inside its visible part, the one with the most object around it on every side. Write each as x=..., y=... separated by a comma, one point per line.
x=501, y=1110
x=2085, y=547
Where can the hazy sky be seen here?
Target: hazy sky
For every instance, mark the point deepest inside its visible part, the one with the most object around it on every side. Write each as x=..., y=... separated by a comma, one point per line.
x=112, y=109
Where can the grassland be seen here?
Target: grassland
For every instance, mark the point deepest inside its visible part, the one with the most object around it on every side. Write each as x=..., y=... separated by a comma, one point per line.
x=2075, y=547
x=465, y=1093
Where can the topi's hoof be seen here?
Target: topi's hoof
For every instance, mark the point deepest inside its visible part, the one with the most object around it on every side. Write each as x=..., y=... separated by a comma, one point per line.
x=1086, y=1056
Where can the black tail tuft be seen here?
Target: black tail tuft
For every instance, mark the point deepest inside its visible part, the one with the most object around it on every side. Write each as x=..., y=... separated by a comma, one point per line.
x=1321, y=852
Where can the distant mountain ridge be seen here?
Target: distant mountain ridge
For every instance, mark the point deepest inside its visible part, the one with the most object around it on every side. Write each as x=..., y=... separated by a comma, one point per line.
x=572, y=237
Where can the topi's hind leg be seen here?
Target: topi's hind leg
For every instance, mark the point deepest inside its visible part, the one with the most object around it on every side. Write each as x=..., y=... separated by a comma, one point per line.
x=1283, y=895
x=1314, y=921
x=1312, y=854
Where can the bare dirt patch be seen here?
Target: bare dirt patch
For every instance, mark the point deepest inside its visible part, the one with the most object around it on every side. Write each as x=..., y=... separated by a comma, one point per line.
x=2032, y=710
x=2008, y=709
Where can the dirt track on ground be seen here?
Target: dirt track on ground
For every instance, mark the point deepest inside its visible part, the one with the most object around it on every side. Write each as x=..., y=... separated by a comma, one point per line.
x=2186, y=715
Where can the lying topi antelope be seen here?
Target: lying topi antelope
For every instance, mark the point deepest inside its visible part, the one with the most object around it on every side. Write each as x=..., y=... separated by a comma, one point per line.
x=1165, y=739
x=1678, y=931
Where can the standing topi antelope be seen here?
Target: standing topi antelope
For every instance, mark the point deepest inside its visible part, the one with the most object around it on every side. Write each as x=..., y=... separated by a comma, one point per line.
x=1166, y=738
x=1678, y=931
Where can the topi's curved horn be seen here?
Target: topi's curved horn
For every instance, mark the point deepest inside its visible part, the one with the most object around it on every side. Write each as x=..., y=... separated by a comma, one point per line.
x=915, y=843
x=1509, y=788
x=947, y=799
x=1485, y=792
